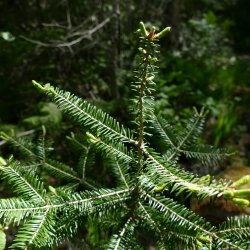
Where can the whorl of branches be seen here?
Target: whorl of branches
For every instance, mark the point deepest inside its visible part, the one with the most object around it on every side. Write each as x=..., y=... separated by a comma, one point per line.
x=147, y=198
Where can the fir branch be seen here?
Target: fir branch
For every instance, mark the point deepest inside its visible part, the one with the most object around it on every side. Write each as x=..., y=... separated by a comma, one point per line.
x=187, y=141
x=163, y=174
x=85, y=201
x=41, y=146
x=111, y=147
x=167, y=138
x=227, y=243
x=22, y=144
x=121, y=240
x=15, y=210
x=65, y=228
x=143, y=87
x=22, y=182
x=147, y=217
x=179, y=139
x=85, y=160
x=36, y=231
x=137, y=204
x=122, y=172
x=192, y=128
x=206, y=154
x=237, y=228
x=186, y=219
x=60, y=170
x=95, y=120
x=176, y=213
x=87, y=157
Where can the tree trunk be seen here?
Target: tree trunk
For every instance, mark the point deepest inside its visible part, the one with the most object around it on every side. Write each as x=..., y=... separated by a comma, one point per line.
x=115, y=47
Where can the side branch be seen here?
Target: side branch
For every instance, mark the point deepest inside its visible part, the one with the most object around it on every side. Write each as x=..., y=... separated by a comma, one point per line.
x=67, y=41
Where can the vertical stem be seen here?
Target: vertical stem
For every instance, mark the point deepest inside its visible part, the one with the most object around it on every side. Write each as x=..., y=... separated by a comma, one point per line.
x=143, y=108
x=140, y=116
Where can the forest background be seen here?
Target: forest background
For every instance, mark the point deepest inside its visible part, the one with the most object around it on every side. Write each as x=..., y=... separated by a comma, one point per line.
x=88, y=48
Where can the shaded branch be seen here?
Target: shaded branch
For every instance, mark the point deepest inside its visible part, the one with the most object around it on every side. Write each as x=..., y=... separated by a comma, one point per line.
x=80, y=34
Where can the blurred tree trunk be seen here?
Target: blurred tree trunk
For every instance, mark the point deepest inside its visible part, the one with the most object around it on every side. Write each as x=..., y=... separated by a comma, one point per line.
x=172, y=18
x=114, y=50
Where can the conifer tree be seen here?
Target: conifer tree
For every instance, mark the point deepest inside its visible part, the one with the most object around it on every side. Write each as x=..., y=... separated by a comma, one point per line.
x=147, y=199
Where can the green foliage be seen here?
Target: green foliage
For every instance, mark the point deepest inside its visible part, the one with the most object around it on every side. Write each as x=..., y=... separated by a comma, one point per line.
x=149, y=185
x=205, y=71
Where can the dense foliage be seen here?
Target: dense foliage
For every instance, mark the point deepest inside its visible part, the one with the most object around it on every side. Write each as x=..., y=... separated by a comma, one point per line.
x=87, y=48
x=146, y=203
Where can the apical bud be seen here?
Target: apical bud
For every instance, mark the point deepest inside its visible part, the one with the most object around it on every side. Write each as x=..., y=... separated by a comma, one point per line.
x=143, y=29
x=151, y=35
x=153, y=60
x=242, y=193
x=204, y=239
x=163, y=32
x=228, y=194
x=242, y=181
x=52, y=190
x=241, y=202
x=160, y=188
x=91, y=138
x=152, y=30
